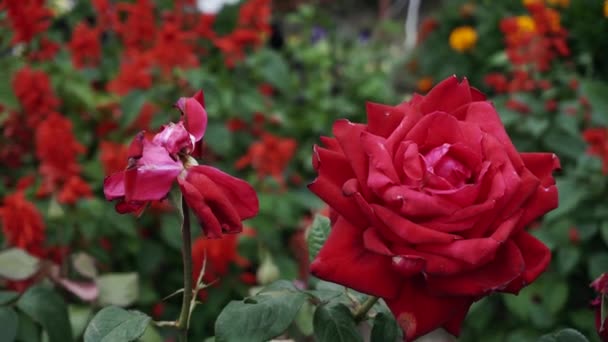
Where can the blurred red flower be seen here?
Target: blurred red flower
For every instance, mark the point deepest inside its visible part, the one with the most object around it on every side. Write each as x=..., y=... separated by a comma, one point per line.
x=34, y=92
x=85, y=46
x=27, y=18
x=113, y=157
x=219, y=253
x=22, y=224
x=57, y=150
x=269, y=156
x=600, y=285
x=597, y=138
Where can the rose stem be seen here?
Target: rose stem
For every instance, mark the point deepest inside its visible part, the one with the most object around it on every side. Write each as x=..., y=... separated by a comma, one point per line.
x=361, y=313
x=182, y=322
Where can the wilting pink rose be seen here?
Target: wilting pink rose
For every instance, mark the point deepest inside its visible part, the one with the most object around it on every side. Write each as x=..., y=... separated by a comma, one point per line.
x=600, y=285
x=431, y=201
x=218, y=200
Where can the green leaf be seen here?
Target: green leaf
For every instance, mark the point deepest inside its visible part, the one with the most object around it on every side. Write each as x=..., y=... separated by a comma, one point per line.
x=565, y=335
x=48, y=309
x=16, y=264
x=273, y=69
x=335, y=323
x=28, y=330
x=131, y=106
x=598, y=264
x=318, y=234
x=261, y=317
x=116, y=324
x=121, y=289
x=385, y=328
x=7, y=297
x=596, y=91
x=79, y=317
x=570, y=195
x=9, y=323
x=84, y=264
x=567, y=258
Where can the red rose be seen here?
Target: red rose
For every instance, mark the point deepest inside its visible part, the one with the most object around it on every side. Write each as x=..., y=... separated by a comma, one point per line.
x=431, y=201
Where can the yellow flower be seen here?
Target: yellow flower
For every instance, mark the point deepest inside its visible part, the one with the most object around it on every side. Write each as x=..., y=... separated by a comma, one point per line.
x=606, y=8
x=424, y=84
x=463, y=38
x=531, y=2
x=525, y=23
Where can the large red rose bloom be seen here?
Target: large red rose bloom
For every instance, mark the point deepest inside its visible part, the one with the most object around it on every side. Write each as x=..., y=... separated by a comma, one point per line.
x=432, y=200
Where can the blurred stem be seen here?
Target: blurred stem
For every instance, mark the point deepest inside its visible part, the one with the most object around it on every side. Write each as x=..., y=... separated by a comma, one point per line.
x=184, y=316
x=361, y=313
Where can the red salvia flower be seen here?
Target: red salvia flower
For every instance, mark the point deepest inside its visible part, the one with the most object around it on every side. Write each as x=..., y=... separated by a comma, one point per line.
x=597, y=138
x=33, y=89
x=85, y=46
x=22, y=224
x=219, y=253
x=113, y=157
x=269, y=156
x=134, y=73
x=27, y=18
x=74, y=189
x=173, y=48
x=47, y=50
x=57, y=149
x=139, y=28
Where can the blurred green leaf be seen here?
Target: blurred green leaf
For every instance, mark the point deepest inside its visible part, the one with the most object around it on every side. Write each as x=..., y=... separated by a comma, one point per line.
x=28, y=330
x=121, y=289
x=598, y=264
x=79, y=317
x=8, y=296
x=565, y=335
x=335, y=323
x=318, y=235
x=567, y=258
x=385, y=328
x=261, y=317
x=48, y=309
x=9, y=324
x=17, y=264
x=131, y=107
x=273, y=69
x=596, y=91
x=116, y=324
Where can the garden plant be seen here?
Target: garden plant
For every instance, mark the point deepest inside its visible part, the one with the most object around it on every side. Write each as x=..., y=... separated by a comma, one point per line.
x=253, y=171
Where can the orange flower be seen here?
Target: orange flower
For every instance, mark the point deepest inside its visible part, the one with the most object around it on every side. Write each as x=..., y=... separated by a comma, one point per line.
x=269, y=156
x=463, y=38
x=424, y=84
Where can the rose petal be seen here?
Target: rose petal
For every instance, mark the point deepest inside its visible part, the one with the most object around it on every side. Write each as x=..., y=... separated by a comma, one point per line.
x=114, y=186
x=536, y=257
x=240, y=193
x=344, y=260
x=381, y=170
x=332, y=165
x=221, y=207
x=507, y=265
x=447, y=96
x=210, y=225
x=153, y=175
x=418, y=311
x=348, y=135
x=408, y=231
x=195, y=116
x=417, y=204
x=454, y=325
x=542, y=166
x=382, y=119
x=174, y=138
x=331, y=194
x=473, y=251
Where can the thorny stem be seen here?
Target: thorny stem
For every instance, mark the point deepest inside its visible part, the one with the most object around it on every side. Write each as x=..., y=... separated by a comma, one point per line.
x=184, y=316
x=361, y=312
